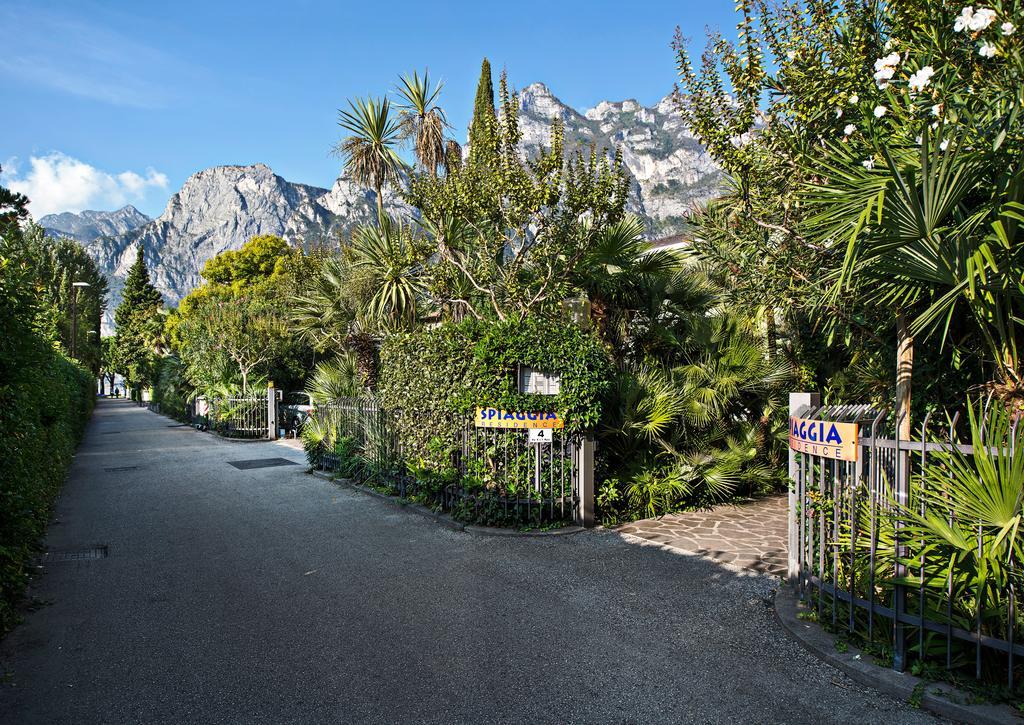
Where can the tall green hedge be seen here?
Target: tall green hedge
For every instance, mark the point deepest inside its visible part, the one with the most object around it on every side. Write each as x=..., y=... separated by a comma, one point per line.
x=45, y=400
x=435, y=378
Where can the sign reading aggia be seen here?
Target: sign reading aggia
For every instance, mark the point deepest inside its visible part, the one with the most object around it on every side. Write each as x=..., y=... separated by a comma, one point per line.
x=824, y=438
x=498, y=418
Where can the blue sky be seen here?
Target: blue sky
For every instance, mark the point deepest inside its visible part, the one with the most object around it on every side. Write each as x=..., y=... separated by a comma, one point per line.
x=119, y=102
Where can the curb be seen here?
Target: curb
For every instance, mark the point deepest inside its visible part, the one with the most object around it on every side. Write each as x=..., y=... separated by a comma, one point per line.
x=443, y=519
x=938, y=698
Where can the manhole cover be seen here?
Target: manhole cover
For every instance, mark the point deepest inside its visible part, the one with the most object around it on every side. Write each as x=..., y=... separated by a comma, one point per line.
x=115, y=469
x=261, y=463
x=96, y=552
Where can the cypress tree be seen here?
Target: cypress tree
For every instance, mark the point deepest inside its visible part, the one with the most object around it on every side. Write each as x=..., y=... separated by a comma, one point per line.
x=482, y=136
x=137, y=322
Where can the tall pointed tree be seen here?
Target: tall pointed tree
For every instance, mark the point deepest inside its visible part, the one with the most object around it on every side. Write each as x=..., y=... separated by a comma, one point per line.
x=483, y=127
x=138, y=323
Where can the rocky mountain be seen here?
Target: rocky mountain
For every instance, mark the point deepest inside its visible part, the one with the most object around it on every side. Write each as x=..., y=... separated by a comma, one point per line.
x=671, y=169
x=222, y=207
x=88, y=226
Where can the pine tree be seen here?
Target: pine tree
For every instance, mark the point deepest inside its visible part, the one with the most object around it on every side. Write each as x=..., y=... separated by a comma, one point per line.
x=482, y=129
x=139, y=294
x=138, y=320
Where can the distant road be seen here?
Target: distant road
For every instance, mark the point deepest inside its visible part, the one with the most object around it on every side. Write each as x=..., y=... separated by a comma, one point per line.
x=271, y=596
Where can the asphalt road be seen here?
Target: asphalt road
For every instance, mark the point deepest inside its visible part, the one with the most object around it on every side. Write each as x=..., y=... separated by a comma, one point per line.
x=273, y=596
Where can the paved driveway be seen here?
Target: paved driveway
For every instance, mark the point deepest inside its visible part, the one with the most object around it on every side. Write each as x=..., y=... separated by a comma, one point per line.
x=271, y=596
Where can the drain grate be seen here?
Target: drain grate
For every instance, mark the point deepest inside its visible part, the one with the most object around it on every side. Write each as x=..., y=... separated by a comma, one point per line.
x=116, y=469
x=261, y=463
x=110, y=432
x=96, y=552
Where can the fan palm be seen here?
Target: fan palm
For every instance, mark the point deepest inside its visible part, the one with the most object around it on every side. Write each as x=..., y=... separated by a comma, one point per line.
x=369, y=151
x=323, y=314
x=936, y=229
x=423, y=121
x=336, y=378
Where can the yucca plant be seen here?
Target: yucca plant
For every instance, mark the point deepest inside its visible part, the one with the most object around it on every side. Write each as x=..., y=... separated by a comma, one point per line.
x=369, y=151
x=389, y=254
x=423, y=121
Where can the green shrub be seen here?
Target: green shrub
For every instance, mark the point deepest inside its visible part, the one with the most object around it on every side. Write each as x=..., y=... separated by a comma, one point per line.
x=435, y=378
x=43, y=409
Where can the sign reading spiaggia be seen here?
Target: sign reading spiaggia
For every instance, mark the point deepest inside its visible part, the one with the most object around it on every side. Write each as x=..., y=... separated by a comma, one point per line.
x=498, y=418
x=837, y=441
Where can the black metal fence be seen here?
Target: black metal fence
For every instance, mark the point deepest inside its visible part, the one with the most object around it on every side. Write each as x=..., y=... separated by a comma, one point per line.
x=870, y=573
x=491, y=476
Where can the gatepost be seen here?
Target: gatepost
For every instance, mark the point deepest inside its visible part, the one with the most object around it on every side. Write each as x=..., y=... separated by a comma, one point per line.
x=585, y=467
x=798, y=403
x=271, y=412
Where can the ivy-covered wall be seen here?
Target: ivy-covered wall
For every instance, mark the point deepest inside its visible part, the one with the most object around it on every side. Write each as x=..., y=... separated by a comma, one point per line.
x=436, y=378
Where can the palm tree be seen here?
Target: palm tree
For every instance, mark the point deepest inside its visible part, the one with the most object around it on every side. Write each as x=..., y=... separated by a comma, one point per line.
x=388, y=253
x=931, y=230
x=423, y=121
x=322, y=316
x=369, y=151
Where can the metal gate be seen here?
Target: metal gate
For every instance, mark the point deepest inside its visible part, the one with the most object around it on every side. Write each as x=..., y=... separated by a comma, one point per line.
x=852, y=558
x=508, y=479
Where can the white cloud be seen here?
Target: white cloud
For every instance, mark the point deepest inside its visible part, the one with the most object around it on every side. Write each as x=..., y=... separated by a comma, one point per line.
x=57, y=182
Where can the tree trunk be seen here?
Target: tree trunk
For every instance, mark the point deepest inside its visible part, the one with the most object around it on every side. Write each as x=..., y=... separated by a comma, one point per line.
x=904, y=375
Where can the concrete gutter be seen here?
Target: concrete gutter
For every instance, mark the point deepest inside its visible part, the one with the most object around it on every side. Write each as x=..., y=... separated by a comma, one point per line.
x=939, y=698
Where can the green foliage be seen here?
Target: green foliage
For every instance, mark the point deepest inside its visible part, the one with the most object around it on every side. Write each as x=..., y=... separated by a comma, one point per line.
x=483, y=144
x=139, y=325
x=335, y=378
x=45, y=400
x=369, y=149
x=255, y=261
x=437, y=377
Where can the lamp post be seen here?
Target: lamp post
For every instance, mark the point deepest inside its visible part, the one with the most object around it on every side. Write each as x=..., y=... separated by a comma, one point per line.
x=74, y=317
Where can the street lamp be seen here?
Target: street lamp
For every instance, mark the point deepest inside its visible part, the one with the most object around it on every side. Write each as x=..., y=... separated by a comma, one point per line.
x=74, y=317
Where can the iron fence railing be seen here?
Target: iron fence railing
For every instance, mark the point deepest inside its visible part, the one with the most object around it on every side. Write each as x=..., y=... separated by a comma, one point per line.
x=493, y=476
x=239, y=417
x=863, y=571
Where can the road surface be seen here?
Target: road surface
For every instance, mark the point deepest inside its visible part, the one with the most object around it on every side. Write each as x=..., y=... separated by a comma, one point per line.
x=271, y=596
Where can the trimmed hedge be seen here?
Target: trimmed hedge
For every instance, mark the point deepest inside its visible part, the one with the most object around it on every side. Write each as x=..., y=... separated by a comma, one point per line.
x=437, y=377
x=45, y=401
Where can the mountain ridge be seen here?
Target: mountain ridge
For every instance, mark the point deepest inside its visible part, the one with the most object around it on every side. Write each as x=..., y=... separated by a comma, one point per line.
x=221, y=207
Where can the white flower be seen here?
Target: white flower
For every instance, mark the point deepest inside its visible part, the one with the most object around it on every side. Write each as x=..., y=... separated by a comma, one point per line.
x=963, y=21
x=944, y=145
x=849, y=129
x=880, y=111
x=982, y=18
x=987, y=50
x=885, y=68
x=889, y=43
x=893, y=59
x=854, y=98
x=868, y=163
x=839, y=113
x=918, y=140
x=1007, y=28
x=921, y=78
x=936, y=109
x=790, y=55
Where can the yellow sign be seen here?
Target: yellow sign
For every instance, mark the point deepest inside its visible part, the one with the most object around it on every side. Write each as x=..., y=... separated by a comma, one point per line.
x=837, y=441
x=497, y=418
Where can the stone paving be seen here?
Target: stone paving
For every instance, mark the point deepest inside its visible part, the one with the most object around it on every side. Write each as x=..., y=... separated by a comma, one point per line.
x=747, y=535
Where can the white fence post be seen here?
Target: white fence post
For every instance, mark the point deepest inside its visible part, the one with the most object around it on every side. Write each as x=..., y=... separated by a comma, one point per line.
x=585, y=471
x=798, y=402
x=271, y=412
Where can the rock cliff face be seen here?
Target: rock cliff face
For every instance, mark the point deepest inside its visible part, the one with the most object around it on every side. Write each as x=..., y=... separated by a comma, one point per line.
x=222, y=207
x=671, y=169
